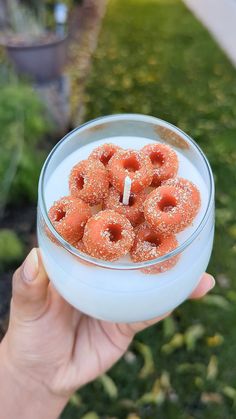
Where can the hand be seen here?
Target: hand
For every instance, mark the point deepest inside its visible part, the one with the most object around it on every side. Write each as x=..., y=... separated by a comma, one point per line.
x=57, y=346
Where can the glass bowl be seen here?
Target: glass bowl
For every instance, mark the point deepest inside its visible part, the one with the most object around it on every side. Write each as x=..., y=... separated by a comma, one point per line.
x=124, y=291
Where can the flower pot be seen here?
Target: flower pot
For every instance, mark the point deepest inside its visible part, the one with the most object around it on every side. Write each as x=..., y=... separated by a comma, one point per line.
x=42, y=62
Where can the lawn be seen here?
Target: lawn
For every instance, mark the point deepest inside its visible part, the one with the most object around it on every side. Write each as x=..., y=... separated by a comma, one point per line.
x=153, y=57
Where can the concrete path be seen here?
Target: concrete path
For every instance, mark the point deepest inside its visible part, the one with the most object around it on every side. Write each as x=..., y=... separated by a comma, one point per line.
x=219, y=16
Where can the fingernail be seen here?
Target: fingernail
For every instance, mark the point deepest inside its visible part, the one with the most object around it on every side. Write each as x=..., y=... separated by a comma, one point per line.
x=31, y=266
x=213, y=282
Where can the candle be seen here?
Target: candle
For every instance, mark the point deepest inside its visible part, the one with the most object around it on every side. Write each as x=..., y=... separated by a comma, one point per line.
x=118, y=291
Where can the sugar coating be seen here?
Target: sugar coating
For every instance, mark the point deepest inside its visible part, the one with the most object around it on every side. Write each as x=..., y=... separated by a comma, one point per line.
x=97, y=235
x=104, y=153
x=69, y=216
x=173, y=218
x=133, y=211
x=150, y=245
x=189, y=189
x=164, y=161
x=94, y=179
x=96, y=175
x=141, y=178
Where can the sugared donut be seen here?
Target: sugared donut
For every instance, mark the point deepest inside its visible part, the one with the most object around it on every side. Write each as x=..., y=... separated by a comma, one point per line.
x=189, y=189
x=133, y=211
x=69, y=216
x=89, y=181
x=168, y=209
x=149, y=245
x=108, y=235
x=104, y=153
x=134, y=164
x=164, y=161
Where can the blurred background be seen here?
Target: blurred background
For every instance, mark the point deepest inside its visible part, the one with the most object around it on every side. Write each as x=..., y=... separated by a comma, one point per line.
x=62, y=63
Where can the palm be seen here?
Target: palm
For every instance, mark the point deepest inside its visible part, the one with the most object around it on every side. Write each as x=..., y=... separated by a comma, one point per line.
x=85, y=347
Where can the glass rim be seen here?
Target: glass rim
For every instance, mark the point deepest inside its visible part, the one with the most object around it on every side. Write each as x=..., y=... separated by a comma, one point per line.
x=128, y=265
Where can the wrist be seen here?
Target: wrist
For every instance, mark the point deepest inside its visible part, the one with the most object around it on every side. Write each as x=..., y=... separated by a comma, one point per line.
x=32, y=398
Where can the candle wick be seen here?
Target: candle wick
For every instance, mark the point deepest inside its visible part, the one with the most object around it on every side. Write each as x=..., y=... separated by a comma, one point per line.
x=127, y=190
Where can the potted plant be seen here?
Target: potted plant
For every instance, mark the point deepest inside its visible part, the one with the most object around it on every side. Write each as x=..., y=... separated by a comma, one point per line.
x=34, y=51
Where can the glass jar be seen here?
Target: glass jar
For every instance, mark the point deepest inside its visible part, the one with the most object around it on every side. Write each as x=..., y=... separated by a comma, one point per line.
x=124, y=291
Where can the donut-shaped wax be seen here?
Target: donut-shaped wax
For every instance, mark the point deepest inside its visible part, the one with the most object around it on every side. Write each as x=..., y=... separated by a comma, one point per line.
x=133, y=211
x=134, y=164
x=149, y=244
x=108, y=235
x=69, y=216
x=168, y=209
x=189, y=189
x=104, y=153
x=89, y=181
x=164, y=161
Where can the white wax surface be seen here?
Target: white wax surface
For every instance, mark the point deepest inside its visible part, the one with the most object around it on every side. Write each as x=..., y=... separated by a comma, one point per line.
x=57, y=185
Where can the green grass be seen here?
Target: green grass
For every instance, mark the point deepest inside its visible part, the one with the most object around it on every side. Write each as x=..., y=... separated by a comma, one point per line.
x=154, y=58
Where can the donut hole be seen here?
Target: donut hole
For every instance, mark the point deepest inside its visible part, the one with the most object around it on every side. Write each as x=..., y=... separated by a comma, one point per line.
x=167, y=203
x=157, y=158
x=114, y=232
x=132, y=200
x=152, y=239
x=59, y=214
x=105, y=157
x=131, y=164
x=80, y=182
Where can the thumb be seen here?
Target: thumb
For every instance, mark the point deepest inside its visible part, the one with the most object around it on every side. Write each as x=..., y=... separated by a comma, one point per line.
x=30, y=288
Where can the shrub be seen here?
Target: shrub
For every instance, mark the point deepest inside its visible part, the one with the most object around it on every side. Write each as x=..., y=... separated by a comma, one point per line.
x=23, y=124
x=11, y=248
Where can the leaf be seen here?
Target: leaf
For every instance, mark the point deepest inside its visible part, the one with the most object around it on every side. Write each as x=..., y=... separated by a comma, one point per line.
x=75, y=400
x=230, y=392
x=175, y=343
x=165, y=381
x=192, y=335
x=232, y=231
x=231, y=295
x=215, y=340
x=157, y=398
x=212, y=368
x=148, y=366
x=133, y=416
x=211, y=398
x=109, y=386
x=90, y=415
x=169, y=327
x=217, y=301
x=127, y=403
x=199, y=382
x=224, y=215
x=196, y=368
